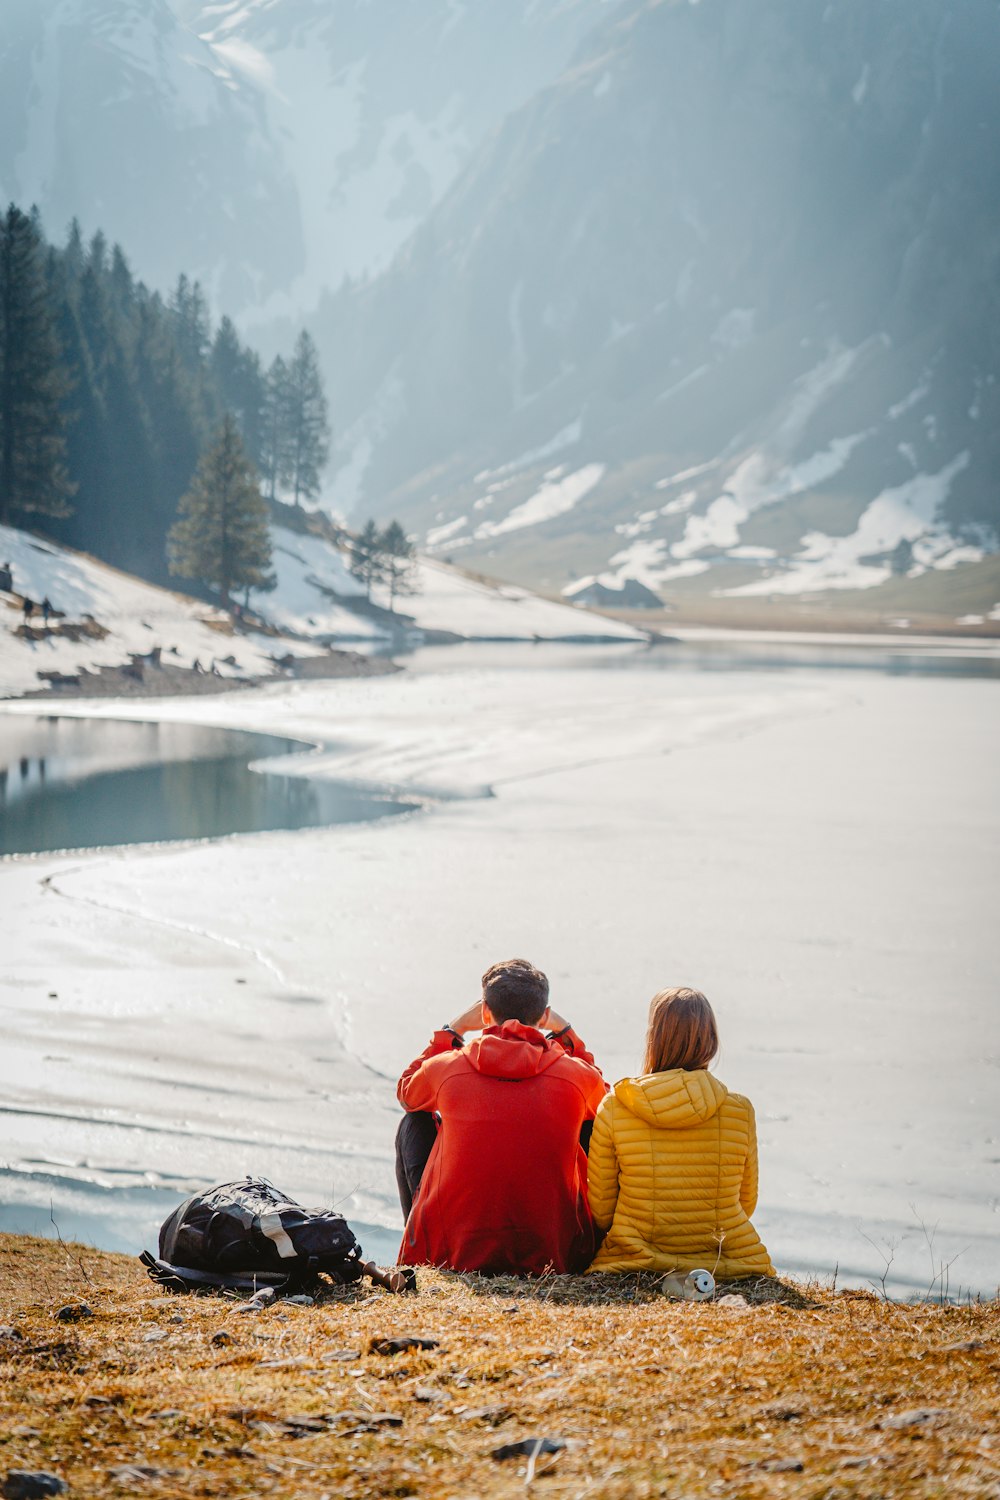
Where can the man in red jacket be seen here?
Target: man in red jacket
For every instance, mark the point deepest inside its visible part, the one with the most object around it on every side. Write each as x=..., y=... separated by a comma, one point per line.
x=491, y=1172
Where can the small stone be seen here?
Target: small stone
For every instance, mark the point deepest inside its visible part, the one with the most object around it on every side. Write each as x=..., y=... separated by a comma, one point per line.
x=781, y=1465
x=858, y=1461
x=264, y=1296
x=920, y=1416
x=732, y=1299
x=493, y=1416
x=97, y=1401
x=155, y=1336
x=221, y=1338
x=134, y=1473
x=400, y=1345
x=368, y=1421
x=7, y=1334
x=299, y=1426
x=177, y=1318
x=427, y=1393
x=531, y=1447
x=165, y=1414
x=782, y=1413
x=74, y=1312
x=340, y=1355
x=28, y=1484
x=300, y=1301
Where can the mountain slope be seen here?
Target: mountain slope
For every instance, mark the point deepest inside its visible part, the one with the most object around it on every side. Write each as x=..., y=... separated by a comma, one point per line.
x=378, y=107
x=103, y=617
x=112, y=111
x=720, y=303
x=268, y=149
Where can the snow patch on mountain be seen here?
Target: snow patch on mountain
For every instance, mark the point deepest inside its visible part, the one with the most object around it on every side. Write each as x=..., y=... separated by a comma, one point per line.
x=556, y=497
x=904, y=513
x=437, y=536
x=647, y=561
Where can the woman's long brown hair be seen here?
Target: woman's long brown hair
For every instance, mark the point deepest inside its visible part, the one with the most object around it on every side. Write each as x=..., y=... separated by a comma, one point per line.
x=682, y=1032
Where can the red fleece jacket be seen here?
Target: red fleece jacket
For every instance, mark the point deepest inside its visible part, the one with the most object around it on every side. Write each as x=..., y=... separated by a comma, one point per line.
x=505, y=1188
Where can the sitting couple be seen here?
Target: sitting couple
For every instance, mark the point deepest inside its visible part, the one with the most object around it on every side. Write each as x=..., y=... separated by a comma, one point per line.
x=492, y=1154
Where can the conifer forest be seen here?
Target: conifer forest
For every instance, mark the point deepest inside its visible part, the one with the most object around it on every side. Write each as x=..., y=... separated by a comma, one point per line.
x=110, y=394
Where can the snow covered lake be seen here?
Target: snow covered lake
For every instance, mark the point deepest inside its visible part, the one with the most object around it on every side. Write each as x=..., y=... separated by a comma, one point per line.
x=813, y=845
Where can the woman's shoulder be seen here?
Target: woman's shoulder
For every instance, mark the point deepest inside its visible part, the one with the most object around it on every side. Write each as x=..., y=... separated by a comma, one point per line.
x=738, y=1104
x=609, y=1104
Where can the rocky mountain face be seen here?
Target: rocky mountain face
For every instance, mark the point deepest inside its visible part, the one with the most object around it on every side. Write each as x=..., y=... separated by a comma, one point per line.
x=114, y=112
x=719, y=303
x=268, y=147
x=702, y=293
x=378, y=107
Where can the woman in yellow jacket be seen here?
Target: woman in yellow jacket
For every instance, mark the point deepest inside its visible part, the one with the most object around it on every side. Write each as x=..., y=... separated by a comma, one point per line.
x=672, y=1170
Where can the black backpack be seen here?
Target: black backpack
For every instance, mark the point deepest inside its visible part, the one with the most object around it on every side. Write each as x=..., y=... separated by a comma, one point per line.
x=246, y=1236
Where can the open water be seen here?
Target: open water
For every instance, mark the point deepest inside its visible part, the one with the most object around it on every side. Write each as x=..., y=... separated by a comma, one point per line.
x=69, y=783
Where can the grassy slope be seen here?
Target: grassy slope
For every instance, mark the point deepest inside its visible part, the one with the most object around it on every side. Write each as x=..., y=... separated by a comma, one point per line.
x=932, y=603
x=656, y=1398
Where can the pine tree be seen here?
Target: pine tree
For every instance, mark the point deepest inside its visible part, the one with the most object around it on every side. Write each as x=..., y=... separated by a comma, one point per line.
x=274, y=438
x=192, y=327
x=221, y=535
x=179, y=424
x=399, y=558
x=73, y=255
x=33, y=380
x=366, y=563
x=121, y=288
x=308, y=425
x=97, y=253
x=239, y=383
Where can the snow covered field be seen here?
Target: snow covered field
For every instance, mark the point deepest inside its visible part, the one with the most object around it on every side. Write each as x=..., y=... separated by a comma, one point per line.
x=136, y=617
x=308, y=604
x=814, y=848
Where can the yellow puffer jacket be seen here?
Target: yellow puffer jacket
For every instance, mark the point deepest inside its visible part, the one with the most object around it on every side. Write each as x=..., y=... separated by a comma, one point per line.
x=672, y=1177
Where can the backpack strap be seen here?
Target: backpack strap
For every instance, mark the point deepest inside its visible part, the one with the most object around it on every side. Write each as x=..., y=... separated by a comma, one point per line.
x=187, y=1279
x=273, y=1229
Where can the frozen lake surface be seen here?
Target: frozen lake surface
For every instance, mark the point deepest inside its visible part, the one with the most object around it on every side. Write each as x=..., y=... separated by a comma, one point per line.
x=815, y=847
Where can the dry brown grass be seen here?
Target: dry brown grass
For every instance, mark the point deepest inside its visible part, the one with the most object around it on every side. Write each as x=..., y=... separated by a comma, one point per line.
x=800, y=1393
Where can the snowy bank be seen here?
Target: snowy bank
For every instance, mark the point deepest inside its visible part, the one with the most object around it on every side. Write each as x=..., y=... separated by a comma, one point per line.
x=103, y=617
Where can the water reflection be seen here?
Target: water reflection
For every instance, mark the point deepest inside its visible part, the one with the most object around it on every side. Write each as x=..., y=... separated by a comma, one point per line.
x=77, y=783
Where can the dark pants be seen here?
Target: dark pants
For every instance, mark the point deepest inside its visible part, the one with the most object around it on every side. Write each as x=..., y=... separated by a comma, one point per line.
x=415, y=1139
x=414, y=1142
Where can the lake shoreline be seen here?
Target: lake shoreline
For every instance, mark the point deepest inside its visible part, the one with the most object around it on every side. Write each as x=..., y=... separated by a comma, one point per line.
x=147, y=678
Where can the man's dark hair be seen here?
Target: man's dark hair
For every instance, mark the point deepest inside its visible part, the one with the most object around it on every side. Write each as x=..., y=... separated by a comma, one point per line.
x=516, y=991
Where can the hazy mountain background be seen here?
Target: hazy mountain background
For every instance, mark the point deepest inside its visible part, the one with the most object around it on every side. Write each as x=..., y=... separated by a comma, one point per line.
x=700, y=292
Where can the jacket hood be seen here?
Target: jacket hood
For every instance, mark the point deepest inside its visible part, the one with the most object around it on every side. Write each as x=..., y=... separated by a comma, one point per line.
x=513, y=1051
x=674, y=1100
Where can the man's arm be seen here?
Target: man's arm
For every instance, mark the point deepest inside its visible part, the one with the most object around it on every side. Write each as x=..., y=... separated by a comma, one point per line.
x=562, y=1032
x=417, y=1089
